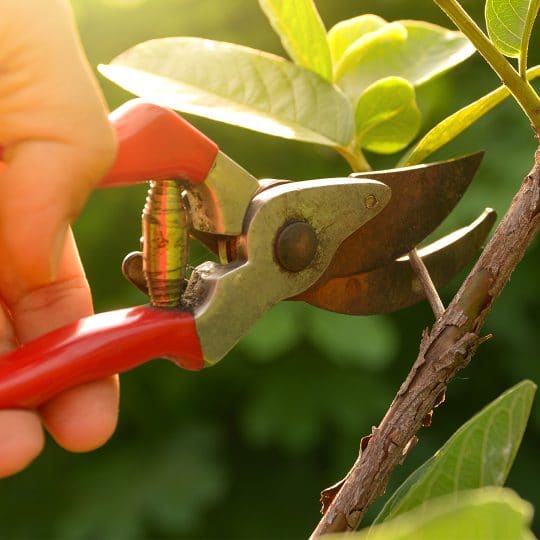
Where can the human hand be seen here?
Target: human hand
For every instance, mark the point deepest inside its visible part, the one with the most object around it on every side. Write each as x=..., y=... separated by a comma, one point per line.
x=58, y=144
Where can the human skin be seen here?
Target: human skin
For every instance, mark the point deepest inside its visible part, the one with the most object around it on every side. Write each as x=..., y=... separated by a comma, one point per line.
x=58, y=145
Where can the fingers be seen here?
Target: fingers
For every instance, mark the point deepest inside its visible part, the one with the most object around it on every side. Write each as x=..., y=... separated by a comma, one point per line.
x=21, y=440
x=85, y=417
x=21, y=434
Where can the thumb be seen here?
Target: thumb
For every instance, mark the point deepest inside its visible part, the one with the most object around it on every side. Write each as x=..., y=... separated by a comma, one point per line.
x=55, y=132
x=42, y=189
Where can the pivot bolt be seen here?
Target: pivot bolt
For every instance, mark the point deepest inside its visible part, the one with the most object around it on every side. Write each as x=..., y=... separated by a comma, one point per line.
x=371, y=201
x=296, y=246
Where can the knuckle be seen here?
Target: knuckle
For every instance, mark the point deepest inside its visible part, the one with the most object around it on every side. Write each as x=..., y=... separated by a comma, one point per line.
x=53, y=303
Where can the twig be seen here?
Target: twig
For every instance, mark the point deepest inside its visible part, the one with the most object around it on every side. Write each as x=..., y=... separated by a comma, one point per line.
x=427, y=283
x=520, y=88
x=444, y=350
x=355, y=157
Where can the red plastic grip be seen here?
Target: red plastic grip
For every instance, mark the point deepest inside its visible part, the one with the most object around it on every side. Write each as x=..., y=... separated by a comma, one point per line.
x=155, y=143
x=93, y=348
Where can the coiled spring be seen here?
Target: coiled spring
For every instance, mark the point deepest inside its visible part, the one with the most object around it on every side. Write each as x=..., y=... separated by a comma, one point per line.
x=165, y=243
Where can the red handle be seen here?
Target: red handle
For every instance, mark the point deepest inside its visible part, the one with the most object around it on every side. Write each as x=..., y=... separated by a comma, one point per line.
x=93, y=348
x=155, y=143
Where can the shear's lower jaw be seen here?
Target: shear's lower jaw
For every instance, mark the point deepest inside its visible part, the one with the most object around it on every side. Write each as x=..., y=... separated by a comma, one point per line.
x=396, y=286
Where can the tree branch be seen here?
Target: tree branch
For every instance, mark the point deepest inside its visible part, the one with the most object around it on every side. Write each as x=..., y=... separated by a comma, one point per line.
x=444, y=350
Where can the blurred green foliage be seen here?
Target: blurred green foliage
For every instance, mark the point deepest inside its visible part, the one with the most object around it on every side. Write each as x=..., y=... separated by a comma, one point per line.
x=242, y=450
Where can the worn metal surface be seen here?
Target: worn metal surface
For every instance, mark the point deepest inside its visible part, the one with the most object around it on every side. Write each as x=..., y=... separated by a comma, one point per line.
x=132, y=268
x=228, y=299
x=218, y=205
x=396, y=286
x=422, y=196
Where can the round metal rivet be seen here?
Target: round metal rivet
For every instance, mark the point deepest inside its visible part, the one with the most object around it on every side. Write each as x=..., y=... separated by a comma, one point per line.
x=371, y=201
x=296, y=246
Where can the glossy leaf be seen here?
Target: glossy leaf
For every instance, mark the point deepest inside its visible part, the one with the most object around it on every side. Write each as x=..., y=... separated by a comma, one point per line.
x=345, y=33
x=458, y=122
x=236, y=85
x=506, y=22
x=302, y=33
x=387, y=118
x=494, y=514
x=414, y=50
x=480, y=453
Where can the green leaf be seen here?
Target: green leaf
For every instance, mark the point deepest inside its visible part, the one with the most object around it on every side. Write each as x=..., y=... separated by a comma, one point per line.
x=490, y=514
x=302, y=33
x=480, y=453
x=414, y=50
x=345, y=33
x=387, y=117
x=458, y=122
x=508, y=26
x=236, y=85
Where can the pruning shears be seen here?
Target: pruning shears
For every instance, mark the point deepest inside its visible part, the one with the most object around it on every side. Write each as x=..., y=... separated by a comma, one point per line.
x=338, y=244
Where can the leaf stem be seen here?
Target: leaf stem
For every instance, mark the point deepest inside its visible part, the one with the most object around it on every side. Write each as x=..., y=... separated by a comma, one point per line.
x=527, y=30
x=522, y=91
x=355, y=158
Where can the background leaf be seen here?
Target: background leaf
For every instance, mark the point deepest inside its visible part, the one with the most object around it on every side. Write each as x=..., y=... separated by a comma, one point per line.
x=293, y=403
x=170, y=486
x=506, y=23
x=387, y=118
x=342, y=35
x=480, y=453
x=489, y=514
x=237, y=85
x=276, y=333
x=370, y=342
x=302, y=33
x=414, y=50
x=458, y=122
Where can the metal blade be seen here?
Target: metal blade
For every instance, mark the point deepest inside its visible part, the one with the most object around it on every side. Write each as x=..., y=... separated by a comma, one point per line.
x=422, y=197
x=396, y=286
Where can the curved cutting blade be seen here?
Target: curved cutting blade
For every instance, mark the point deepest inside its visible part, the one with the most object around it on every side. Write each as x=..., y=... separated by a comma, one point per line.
x=422, y=197
x=396, y=286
